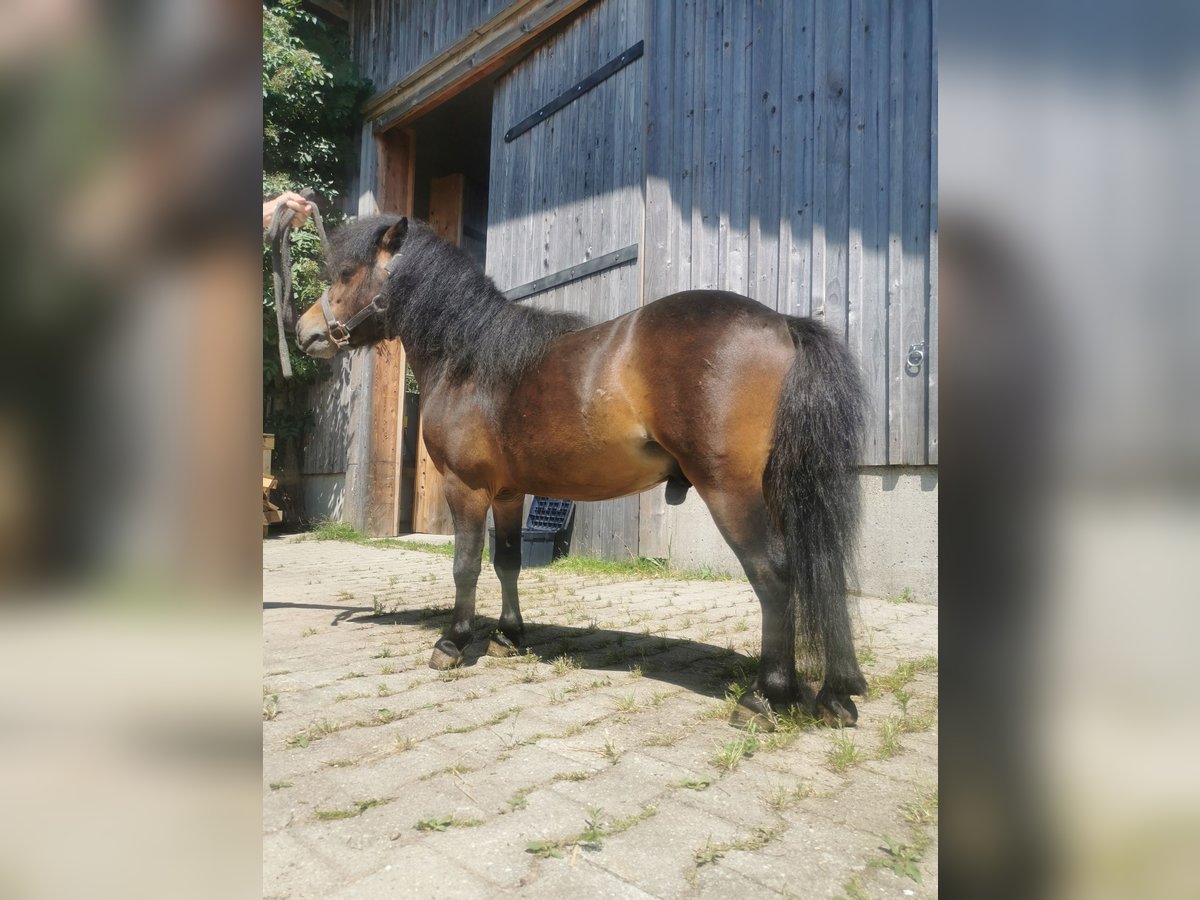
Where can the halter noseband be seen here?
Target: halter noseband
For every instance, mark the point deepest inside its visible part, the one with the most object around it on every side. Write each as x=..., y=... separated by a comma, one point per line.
x=340, y=333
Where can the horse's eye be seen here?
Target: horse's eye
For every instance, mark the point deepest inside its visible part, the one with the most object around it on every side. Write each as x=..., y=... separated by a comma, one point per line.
x=346, y=274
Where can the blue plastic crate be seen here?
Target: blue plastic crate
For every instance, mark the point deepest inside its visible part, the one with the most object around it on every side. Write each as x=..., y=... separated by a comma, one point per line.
x=548, y=514
x=547, y=532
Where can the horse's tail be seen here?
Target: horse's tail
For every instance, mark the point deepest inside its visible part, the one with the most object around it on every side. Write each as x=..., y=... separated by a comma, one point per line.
x=811, y=488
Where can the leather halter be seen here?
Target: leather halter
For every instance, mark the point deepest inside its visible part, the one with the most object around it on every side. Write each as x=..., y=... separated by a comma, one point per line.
x=339, y=333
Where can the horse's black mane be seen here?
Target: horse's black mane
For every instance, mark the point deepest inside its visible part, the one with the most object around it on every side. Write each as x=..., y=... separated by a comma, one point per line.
x=447, y=311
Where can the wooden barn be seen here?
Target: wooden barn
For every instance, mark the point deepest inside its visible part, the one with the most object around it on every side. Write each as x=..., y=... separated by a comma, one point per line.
x=594, y=155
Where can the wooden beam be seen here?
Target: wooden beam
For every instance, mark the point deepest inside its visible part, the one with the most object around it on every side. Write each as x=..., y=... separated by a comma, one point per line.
x=336, y=8
x=485, y=50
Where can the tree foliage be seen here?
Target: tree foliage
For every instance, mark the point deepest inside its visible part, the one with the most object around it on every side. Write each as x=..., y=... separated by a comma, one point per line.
x=311, y=101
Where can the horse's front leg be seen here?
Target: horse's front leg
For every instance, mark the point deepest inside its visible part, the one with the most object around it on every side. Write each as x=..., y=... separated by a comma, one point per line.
x=507, y=513
x=468, y=508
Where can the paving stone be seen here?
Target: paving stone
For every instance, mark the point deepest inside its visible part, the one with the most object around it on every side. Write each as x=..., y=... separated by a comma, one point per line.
x=514, y=751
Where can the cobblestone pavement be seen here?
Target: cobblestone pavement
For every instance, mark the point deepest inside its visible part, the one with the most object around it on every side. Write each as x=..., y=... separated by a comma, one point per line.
x=606, y=750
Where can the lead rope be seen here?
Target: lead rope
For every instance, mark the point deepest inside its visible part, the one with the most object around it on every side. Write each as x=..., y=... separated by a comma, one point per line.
x=281, y=270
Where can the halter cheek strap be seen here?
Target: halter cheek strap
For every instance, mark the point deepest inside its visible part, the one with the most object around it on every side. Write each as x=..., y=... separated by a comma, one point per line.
x=340, y=333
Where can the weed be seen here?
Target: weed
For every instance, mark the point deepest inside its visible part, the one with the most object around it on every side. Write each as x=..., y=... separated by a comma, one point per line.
x=404, y=744
x=456, y=769
x=309, y=632
x=573, y=776
x=901, y=676
x=384, y=652
x=277, y=785
x=905, y=596
x=665, y=740
x=341, y=763
x=611, y=751
x=711, y=852
x=270, y=707
x=913, y=724
x=352, y=675
x=381, y=717
x=923, y=810
x=902, y=859
x=383, y=690
x=629, y=821
x=731, y=753
x=843, y=754
x=854, y=890
x=442, y=823
x=313, y=732
x=696, y=784
x=520, y=799
x=628, y=703
x=387, y=669
x=564, y=664
x=889, y=737
x=783, y=797
x=545, y=849
x=593, y=829
x=494, y=720
x=359, y=807
x=635, y=672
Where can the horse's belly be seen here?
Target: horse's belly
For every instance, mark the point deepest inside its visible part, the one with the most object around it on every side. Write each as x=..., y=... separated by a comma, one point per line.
x=592, y=472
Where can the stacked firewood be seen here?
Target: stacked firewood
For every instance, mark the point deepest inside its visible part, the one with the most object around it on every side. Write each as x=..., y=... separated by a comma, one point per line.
x=271, y=512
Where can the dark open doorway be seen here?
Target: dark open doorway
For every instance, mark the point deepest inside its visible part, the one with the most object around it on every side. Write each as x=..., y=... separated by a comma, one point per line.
x=451, y=158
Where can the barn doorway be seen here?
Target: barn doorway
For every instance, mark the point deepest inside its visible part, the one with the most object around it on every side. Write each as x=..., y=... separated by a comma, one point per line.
x=445, y=156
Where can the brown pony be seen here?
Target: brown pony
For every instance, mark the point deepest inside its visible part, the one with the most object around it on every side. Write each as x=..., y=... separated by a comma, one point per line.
x=761, y=412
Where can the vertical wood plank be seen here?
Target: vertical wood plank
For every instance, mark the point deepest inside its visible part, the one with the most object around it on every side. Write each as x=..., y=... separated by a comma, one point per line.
x=394, y=191
x=431, y=515
x=931, y=350
x=909, y=241
x=763, y=201
x=796, y=242
x=869, y=216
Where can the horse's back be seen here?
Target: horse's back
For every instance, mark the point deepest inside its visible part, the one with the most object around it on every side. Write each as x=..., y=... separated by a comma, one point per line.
x=682, y=382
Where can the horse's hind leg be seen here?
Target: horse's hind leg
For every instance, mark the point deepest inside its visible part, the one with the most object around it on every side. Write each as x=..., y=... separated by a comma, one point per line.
x=468, y=508
x=507, y=513
x=742, y=517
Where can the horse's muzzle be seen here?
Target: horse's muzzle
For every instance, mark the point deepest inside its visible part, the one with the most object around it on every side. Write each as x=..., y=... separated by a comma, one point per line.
x=316, y=344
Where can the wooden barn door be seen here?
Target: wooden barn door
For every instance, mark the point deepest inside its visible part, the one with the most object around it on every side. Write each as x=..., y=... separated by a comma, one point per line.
x=565, y=198
x=431, y=515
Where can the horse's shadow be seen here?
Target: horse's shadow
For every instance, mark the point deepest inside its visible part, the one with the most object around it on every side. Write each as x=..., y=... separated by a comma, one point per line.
x=701, y=668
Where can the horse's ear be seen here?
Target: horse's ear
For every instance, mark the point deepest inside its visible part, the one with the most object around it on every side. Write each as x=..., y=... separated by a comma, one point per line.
x=394, y=236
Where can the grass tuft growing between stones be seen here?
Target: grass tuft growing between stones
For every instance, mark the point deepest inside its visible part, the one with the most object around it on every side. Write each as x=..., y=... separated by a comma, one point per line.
x=359, y=807
x=842, y=753
x=711, y=852
x=731, y=753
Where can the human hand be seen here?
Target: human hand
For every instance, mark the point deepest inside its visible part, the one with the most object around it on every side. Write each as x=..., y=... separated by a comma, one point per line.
x=294, y=202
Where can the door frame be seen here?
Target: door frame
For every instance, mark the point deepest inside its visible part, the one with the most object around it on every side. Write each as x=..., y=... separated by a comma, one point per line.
x=497, y=43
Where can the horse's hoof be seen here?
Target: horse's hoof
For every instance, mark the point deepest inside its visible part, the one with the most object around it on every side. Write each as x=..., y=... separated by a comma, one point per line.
x=753, y=710
x=443, y=658
x=837, y=712
x=501, y=646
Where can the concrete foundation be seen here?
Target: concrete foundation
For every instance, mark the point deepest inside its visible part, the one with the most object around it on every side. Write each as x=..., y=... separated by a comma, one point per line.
x=898, y=541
